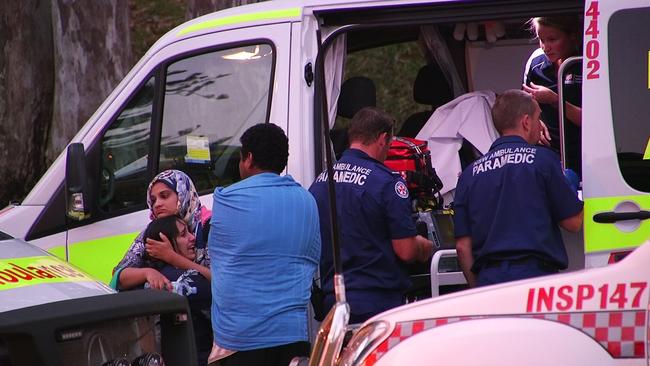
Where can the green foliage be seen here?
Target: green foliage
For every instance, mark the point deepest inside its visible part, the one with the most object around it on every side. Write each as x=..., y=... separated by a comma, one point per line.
x=393, y=68
x=151, y=19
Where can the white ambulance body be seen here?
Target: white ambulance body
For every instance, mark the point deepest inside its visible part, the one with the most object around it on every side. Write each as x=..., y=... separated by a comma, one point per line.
x=185, y=104
x=189, y=99
x=589, y=317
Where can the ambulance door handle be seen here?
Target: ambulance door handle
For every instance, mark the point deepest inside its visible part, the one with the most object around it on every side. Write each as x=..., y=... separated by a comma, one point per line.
x=612, y=217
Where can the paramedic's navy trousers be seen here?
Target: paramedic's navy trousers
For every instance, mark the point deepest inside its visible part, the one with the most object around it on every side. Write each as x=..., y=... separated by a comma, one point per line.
x=506, y=271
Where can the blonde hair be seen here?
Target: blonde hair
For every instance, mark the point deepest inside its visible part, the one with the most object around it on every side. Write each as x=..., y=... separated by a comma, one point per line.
x=569, y=24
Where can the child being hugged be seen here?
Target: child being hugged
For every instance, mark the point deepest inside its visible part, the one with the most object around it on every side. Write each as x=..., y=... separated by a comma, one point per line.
x=192, y=283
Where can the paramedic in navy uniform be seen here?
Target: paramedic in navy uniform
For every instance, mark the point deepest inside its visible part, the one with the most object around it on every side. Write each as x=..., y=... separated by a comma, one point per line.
x=559, y=38
x=374, y=211
x=509, y=202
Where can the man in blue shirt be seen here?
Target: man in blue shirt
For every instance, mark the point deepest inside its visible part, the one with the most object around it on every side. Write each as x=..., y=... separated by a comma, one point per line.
x=265, y=244
x=509, y=202
x=376, y=227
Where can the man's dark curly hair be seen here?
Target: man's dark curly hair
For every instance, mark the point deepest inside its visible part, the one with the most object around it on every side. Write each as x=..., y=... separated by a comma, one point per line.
x=269, y=146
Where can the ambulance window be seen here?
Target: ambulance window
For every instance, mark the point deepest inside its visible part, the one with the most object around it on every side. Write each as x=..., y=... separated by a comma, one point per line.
x=629, y=61
x=210, y=100
x=124, y=151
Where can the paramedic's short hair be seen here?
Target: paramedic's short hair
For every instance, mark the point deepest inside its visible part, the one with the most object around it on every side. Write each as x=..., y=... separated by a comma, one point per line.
x=269, y=146
x=368, y=123
x=510, y=107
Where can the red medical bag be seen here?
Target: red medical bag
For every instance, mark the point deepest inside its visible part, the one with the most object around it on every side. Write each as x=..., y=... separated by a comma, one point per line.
x=412, y=159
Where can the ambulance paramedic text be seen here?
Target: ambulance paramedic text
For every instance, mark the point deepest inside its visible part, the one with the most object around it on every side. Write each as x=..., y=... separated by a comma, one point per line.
x=510, y=201
x=374, y=213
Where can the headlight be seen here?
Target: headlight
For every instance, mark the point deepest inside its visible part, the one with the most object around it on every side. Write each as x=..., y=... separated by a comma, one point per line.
x=364, y=342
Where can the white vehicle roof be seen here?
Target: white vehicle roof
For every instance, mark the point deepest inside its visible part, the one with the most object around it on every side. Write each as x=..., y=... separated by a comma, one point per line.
x=263, y=13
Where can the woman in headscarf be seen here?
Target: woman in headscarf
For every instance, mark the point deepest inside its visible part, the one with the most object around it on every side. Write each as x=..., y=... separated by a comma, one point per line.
x=171, y=192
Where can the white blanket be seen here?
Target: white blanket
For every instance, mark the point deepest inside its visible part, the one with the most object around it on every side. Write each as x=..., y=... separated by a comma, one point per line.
x=468, y=116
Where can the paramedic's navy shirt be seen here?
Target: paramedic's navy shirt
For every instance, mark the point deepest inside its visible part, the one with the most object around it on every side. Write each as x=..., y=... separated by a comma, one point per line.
x=510, y=202
x=540, y=71
x=373, y=208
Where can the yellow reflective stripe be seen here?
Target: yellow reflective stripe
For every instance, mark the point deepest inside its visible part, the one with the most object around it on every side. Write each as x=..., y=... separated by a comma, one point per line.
x=97, y=257
x=646, y=155
x=241, y=18
x=606, y=237
x=58, y=251
x=30, y=271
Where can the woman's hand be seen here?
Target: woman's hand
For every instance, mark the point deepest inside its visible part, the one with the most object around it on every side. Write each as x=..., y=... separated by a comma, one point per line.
x=542, y=94
x=545, y=136
x=157, y=281
x=161, y=249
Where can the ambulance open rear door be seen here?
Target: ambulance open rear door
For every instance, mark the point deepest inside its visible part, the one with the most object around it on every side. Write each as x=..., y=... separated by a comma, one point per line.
x=616, y=129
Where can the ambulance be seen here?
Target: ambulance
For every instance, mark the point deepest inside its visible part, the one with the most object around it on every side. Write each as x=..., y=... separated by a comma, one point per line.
x=185, y=104
x=52, y=313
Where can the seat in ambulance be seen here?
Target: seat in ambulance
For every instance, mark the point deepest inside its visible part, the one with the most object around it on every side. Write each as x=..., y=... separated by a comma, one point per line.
x=430, y=88
x=356, y=93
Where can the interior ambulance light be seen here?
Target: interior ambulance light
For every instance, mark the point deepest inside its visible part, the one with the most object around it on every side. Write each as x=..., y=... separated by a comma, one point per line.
x=493, y=31
x=244, y=55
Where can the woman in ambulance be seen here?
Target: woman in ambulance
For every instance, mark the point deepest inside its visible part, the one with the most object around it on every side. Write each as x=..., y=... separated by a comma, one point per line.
x=559, y=38
x=171, y=192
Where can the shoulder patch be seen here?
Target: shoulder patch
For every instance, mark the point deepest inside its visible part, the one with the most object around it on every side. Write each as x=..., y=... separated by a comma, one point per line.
x=401, y=190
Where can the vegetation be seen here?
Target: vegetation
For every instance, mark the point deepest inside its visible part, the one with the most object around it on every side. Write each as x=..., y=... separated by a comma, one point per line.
x=393, y=68
x=150, y=19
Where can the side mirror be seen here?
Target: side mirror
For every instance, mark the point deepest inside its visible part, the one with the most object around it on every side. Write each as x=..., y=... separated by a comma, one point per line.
x=76, y=181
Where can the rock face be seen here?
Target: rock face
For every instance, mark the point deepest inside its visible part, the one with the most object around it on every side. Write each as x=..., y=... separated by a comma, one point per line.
x=59, y=59
x=26, y=92
x=92, y=52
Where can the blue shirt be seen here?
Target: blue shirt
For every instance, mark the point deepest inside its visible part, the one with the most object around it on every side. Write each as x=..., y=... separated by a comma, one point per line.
x=265, y=244
x=541, y=71
x=510, y=201
x=373, y=208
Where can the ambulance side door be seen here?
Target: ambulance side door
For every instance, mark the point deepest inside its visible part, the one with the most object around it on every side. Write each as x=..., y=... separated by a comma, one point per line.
x=616, y=129
x=187, y=114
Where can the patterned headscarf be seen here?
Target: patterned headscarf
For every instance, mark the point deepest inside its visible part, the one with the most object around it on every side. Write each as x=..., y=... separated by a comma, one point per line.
x=189, y=205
